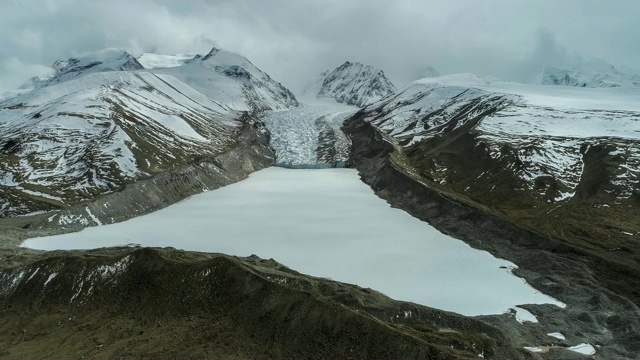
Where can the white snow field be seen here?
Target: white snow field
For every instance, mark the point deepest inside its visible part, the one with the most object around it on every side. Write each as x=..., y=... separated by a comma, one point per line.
x=326, y=223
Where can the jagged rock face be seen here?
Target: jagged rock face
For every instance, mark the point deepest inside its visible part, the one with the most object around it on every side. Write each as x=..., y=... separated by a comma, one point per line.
x=90, y=130
x=352, y=84
x=568, y=169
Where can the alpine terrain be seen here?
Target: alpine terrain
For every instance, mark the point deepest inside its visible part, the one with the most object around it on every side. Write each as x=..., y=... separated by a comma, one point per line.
x=105, y=125
x=546, y=177
x=594, y=73
x=352, y=84
x=543, y=177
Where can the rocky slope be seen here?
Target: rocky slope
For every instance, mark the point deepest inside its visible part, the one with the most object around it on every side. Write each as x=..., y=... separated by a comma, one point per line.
x=102, y=122
x=352, y=84
x=565, y=164
x=547, y=180
x=143, y=303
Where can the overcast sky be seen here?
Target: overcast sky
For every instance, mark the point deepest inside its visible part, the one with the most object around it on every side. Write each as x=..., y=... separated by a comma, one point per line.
x=294, y=40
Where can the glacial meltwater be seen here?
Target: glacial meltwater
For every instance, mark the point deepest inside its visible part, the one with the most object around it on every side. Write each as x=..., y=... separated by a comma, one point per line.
x=325, y=223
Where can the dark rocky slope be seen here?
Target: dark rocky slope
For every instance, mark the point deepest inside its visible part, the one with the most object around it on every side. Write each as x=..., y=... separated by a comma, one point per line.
x=165, y=303
x=602, y=296
x=249, y=152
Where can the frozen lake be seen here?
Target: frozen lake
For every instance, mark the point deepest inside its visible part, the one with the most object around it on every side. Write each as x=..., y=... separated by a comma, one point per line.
x=324, y=223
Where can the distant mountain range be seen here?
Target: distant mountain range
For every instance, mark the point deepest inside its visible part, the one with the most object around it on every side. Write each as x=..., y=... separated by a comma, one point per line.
x=592, y=74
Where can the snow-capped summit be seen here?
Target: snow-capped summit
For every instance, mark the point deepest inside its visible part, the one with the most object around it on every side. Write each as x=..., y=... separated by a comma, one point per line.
x=154, y=61
x=430, y=72
x=103, y=122
x=353, y=84
x=100, y=61
x=594, y=73
x=233, y=80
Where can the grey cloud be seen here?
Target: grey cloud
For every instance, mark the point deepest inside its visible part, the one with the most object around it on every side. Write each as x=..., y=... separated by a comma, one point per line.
x=295, y=40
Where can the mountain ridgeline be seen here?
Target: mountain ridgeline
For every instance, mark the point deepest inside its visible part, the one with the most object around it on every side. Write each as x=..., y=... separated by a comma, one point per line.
x=591, y=74
x=103, y=123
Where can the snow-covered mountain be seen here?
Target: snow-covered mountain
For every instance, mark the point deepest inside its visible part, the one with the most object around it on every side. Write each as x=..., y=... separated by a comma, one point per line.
x=154, y=61
x=352, y=84
x=103, y=121
x=233, y=81
x=592, y=74
x=430, y=72
x=101, y=61
x=559, y=160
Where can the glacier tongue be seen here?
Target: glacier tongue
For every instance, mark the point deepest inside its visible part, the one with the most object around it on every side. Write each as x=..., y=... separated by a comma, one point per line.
x=310, y=136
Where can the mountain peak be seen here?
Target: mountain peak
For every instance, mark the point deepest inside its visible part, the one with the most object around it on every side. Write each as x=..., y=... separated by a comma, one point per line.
x=347, y=64
x=352, y=83
x=104, y=60
x=214, y=51
x=430, y=72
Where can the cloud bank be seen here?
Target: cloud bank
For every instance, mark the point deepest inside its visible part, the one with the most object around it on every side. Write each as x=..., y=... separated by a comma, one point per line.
x=295, y=40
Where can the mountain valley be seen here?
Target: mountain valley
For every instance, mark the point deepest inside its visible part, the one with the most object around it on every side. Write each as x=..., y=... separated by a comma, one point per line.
x=543, y=175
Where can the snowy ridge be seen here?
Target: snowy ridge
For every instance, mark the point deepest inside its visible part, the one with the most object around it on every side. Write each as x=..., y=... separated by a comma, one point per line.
x=352, y=84
x=90, y=130
x=234, y=81
x=593, y=75
x=100, y=61
x=153, y=61
x=421, y=111
x=548, y=133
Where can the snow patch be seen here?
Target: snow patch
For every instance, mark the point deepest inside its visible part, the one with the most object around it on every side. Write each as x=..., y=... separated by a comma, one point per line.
x=523, y=315
x=93, y=217
x=534, y=349
x=33, y=274
x=107, y=271
x=557, y=335
x=585, y=349
x=51, y=277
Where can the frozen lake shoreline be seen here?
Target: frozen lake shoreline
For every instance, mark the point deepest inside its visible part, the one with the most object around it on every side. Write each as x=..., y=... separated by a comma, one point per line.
x=324, y=223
